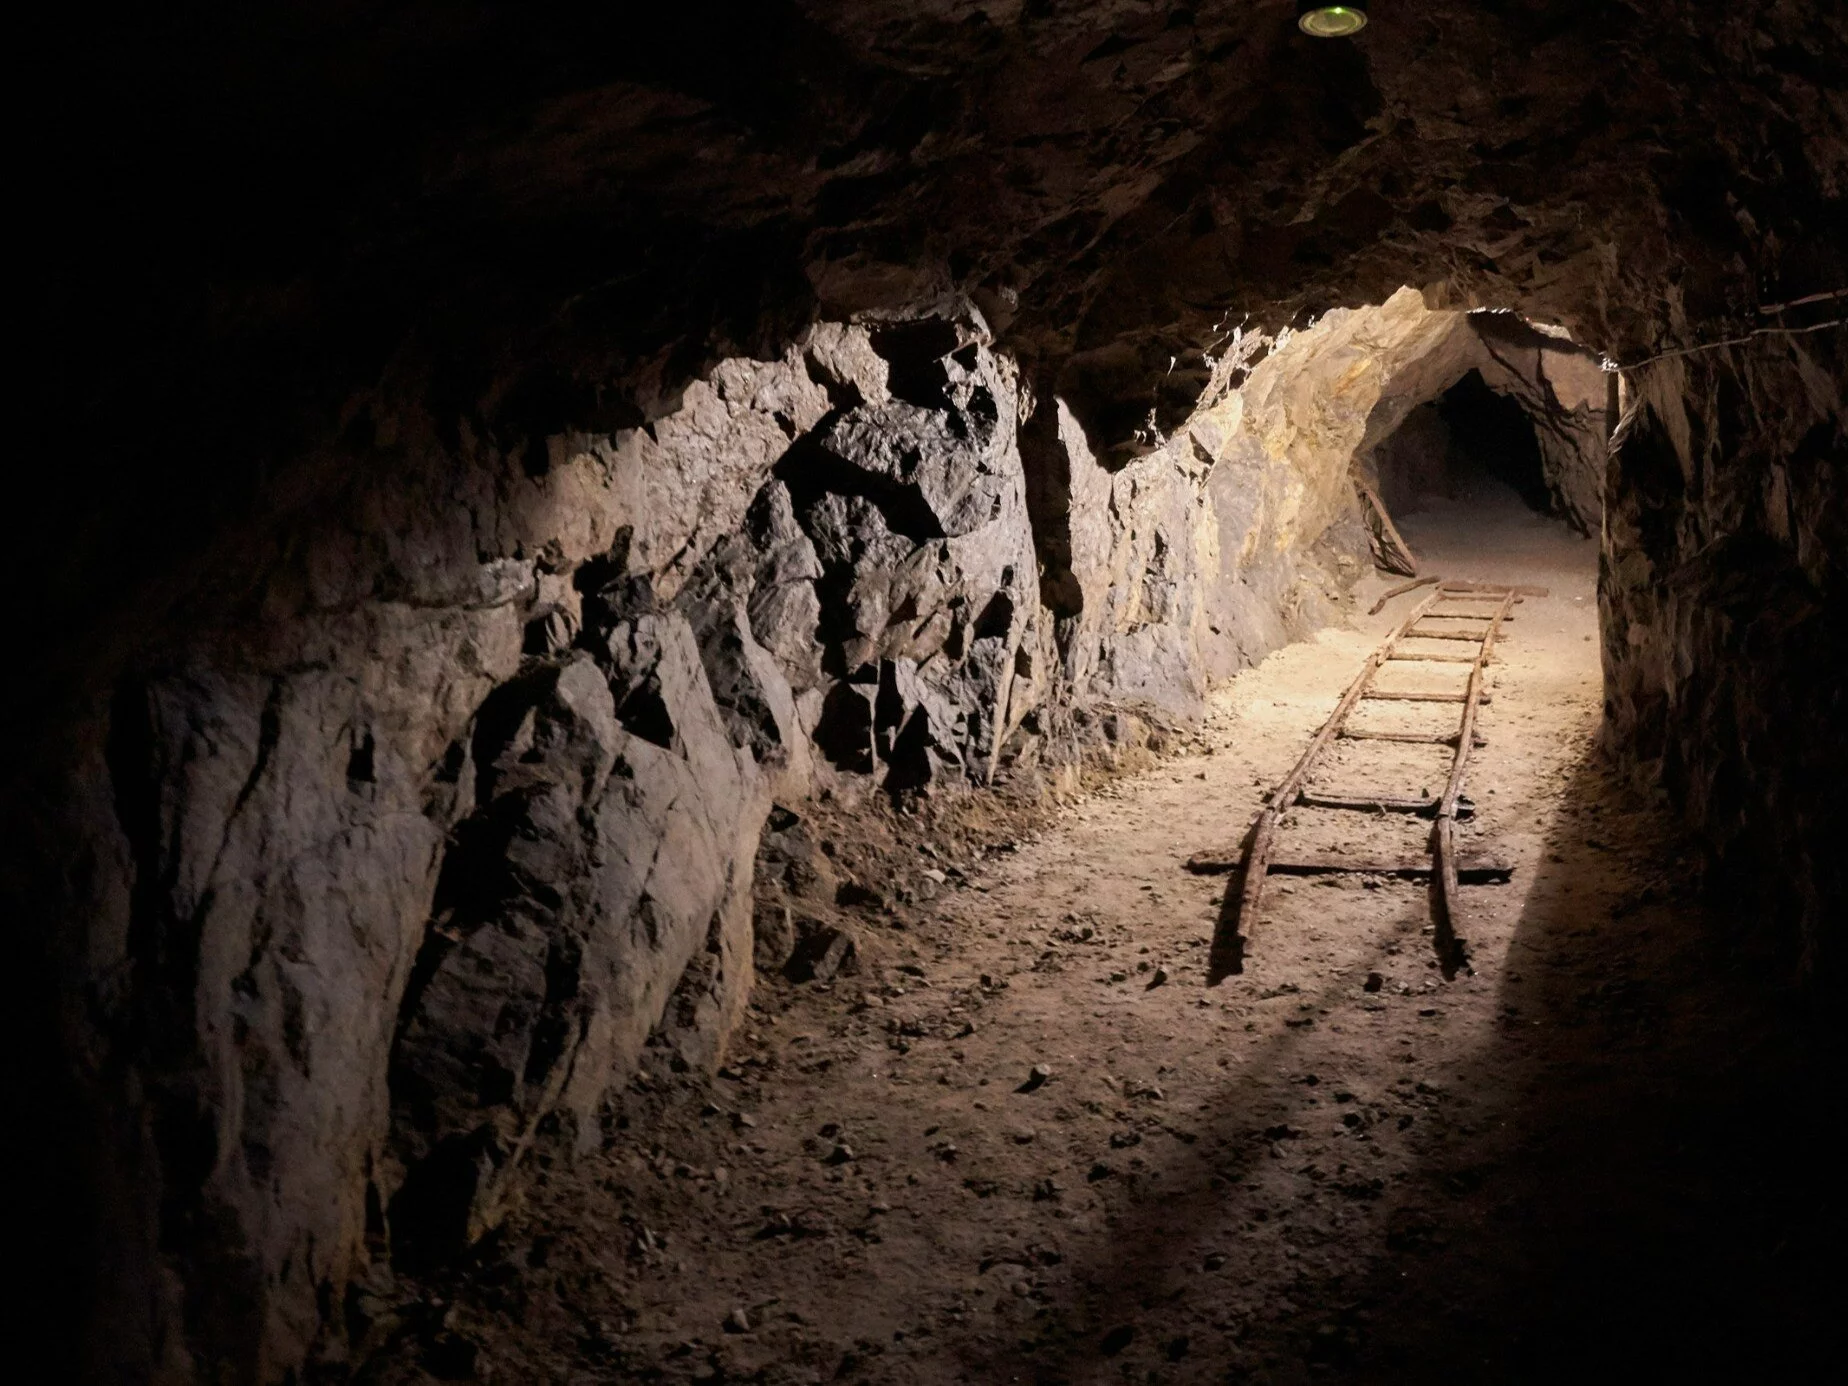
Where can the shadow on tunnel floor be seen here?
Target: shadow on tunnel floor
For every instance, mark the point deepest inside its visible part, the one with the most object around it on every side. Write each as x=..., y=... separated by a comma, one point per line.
x=1636, y=1177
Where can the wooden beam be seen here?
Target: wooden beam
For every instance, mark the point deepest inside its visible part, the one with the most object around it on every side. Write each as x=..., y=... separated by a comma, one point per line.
x=1425, y=697
x=1414, y=738
x=1490, y=589
x=1393, y=553
x=1470, y=870
x=1377, y=803
x=1443, y=635
x=1475, y=871
x=1399, y=591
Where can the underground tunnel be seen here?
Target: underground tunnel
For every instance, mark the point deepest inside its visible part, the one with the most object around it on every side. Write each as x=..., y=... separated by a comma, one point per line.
x=1466, y=441
x=939, y=692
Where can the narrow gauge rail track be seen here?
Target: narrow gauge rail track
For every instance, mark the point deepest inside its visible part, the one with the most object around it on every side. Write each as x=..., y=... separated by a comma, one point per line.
x=1485, y=609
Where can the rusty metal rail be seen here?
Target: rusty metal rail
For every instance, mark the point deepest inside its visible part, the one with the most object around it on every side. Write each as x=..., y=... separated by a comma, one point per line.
x=1446, y=871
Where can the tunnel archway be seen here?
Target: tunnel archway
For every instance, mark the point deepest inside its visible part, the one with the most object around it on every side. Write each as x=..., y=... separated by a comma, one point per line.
x=1490, y=437
x=1448, y=447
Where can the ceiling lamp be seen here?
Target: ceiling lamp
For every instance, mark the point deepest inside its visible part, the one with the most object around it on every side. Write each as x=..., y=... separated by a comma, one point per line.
x=1319, y=20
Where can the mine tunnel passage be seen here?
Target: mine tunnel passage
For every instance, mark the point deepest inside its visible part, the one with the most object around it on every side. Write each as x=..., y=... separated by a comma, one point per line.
x=1490, y=433
x=815, y=978
x=1449, y=446
x=652, y=603
x=1466, y=473
x=1012, y=1134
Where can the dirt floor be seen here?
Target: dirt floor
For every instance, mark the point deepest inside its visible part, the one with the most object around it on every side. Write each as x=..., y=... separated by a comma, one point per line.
x=1025, y=1141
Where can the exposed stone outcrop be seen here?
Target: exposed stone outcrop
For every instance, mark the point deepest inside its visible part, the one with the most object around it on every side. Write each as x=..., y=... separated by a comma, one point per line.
x=411, y=861
x=1723, y=630
x=1562, y=388
x=402, y=873
x=1567, y=396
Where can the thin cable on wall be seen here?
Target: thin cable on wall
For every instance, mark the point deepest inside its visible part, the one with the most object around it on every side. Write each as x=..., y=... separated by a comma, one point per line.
x=1822, y=297
x=1612, y=366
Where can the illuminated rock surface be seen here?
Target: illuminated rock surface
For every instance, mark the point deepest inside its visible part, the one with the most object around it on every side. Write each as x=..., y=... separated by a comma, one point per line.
x=504, y=455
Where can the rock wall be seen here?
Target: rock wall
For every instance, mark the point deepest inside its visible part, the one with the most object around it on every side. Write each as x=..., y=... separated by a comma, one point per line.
x=1265, y=471
x=387, y=870
x=1561, y=386
x=302, y=654
x=400, y=858
x=1723, y=619
x=437, y=813
x=1567, y=396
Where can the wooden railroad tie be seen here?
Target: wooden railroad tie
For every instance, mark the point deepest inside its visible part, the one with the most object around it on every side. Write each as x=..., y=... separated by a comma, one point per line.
x=1417, y=738
x=1446, y=869
x=1474, y=635
x=1456, y=591
x=1470, y=870
x=1421, y=696
x=1489, y=591
x=1377, y=803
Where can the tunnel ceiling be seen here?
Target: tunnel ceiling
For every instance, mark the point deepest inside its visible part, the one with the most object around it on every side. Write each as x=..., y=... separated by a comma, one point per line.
x=270, y=234
x=615, y=196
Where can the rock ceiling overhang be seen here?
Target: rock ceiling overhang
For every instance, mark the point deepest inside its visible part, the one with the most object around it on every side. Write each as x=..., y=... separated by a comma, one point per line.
x=615, y=197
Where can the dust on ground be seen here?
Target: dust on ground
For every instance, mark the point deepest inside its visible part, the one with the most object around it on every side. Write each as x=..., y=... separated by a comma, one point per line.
x=1025, y=1141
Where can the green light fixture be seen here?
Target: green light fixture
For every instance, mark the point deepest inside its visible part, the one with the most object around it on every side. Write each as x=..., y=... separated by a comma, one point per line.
x=1319, y=20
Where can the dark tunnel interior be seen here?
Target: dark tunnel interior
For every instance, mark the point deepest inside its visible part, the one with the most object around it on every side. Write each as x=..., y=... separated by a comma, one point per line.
x=1491, y=434
x=1451, y=446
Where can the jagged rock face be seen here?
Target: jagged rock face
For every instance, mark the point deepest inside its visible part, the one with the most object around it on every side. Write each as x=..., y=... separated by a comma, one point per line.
x=1724, y=636
x=391, y=875
x=400, y=867
x=913, y=500
x=483, y=516
x=1561, y=387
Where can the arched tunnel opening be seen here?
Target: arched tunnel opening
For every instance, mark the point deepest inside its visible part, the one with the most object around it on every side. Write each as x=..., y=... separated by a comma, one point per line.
x=1456, y=446
x=932, y=694
x=1489, y=436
